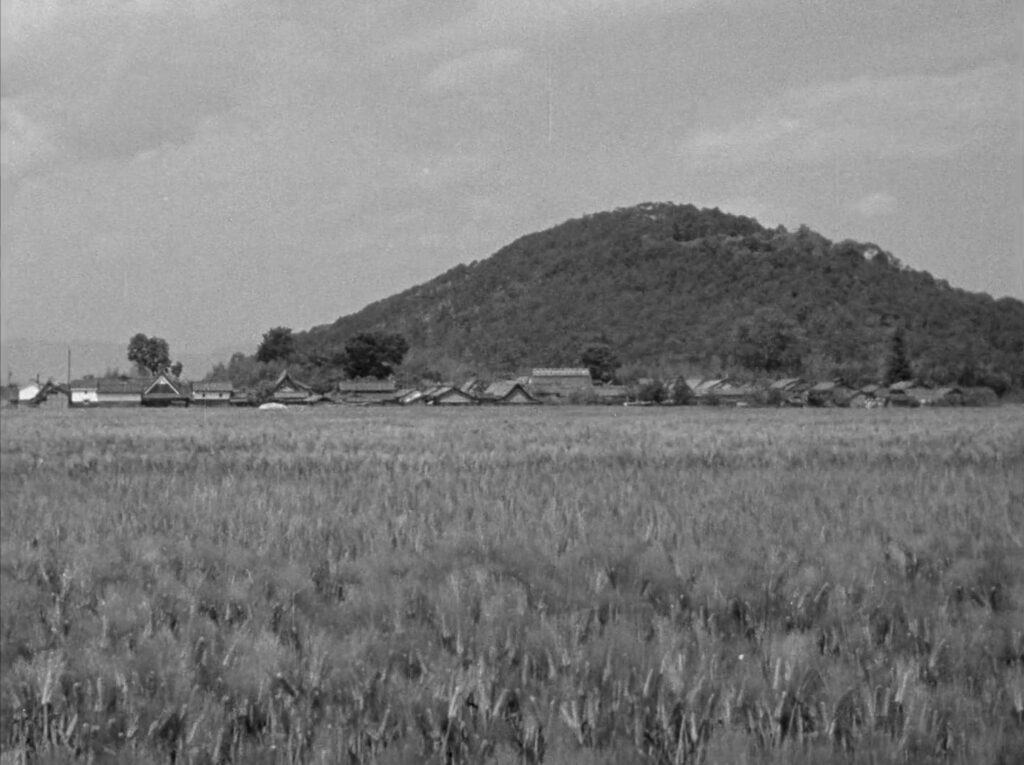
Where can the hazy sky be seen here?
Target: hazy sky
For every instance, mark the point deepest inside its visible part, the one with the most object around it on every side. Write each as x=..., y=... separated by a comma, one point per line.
x=206, y=169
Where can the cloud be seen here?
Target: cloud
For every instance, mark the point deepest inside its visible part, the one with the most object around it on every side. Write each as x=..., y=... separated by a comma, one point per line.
x=100, y=80
x=24, y=144
x=505, y=20
x=874, y=205
x=923, y=116
x=474, y=70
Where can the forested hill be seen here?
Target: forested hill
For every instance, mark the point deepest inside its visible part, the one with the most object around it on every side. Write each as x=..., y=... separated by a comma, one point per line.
x=672, y=287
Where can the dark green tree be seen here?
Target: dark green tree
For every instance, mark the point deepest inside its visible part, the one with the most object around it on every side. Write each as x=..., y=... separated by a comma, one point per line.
x=651, y=390
x=681, y=392
x=897, y=365
x=374, y=354
x=278, y=343
x=176, y=368
x=150, y=354
x=768, y=341
x=602, y=362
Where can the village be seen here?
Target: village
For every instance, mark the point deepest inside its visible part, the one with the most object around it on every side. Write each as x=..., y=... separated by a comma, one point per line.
x=543, y=386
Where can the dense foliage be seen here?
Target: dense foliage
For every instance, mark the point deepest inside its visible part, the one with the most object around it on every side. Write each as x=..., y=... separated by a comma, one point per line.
x=673, y=288
x=149, y=354
x=278, y=343
x=374, y=354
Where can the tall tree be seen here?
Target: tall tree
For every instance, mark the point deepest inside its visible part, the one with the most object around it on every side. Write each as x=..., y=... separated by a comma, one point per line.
x=897, y=366
x=374, y=354
x=602, y=362
x=768, y=341
x=151, y=354
x=278, y=343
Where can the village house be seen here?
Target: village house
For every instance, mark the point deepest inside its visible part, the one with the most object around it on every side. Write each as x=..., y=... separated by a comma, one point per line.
x=114, y=391
x=920, y=396
x=167, y=391
x=706, y=391
x=735, y=394
x=448, y=395
x=560, y=382
x=508, y=392
x=288, y=390
x=408, y=396
x=212, y=393
x=83, y=393
x=365, y=391
x=830, y=393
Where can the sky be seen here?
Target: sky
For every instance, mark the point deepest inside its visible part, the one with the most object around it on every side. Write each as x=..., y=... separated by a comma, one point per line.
x=204, y=170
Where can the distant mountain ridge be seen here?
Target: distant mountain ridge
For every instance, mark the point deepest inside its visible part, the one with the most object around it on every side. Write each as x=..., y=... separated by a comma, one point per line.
x=672, y=286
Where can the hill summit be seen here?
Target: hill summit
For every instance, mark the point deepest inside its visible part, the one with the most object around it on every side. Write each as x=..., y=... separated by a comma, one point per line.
x=673, y=288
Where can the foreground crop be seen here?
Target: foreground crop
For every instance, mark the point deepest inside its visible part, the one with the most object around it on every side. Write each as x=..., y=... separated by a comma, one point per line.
x=558, y=586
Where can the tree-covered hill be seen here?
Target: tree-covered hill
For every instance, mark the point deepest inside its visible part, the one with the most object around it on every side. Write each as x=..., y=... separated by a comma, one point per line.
x=672, y=287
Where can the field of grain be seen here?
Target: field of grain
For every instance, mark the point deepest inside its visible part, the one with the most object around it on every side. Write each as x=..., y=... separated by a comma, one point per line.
x=552, y=585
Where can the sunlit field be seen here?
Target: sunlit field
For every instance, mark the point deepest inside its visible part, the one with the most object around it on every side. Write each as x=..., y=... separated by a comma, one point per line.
x=556, y=585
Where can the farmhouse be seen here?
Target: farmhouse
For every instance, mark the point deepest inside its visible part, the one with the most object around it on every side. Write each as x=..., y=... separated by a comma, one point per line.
x=366, y=391
x=212, y=393
x=559, y=381
x=167, y=391
x=83, y=393
x=448, y=395
x=508, y=392
x=288, y=390
x=787, y=385
x=402, y=394
x=114, y=391
x=831, y=393
x=735, y=394
x=919, y=396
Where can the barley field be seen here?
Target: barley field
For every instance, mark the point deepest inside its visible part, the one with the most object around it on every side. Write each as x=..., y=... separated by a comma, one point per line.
x=549, y=585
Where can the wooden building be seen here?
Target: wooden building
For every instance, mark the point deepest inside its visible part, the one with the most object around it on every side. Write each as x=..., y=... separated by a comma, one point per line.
x=83, y=393
x=114, y=391
x=288, y=390
x=448, y=395
x=508, y=392
x=166, y=390
x=212, y=393
x=562, y=381
x=366, y=391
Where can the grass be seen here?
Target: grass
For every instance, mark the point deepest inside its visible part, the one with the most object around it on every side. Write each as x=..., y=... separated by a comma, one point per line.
x=551, y=585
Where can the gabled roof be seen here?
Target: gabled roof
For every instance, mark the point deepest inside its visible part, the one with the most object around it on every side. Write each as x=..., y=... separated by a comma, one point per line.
x=732, y=389
x=931, y=394
x=707, y=386
x=83, y=384
x=505, y=388
x=286, y=380
x=366, y=385
x=167, y=386
x=787, y=383
x=561, y=372
x=116, y=386
x=445, y=392
x=903, y=385
x=409, y=397
x=213, y=386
